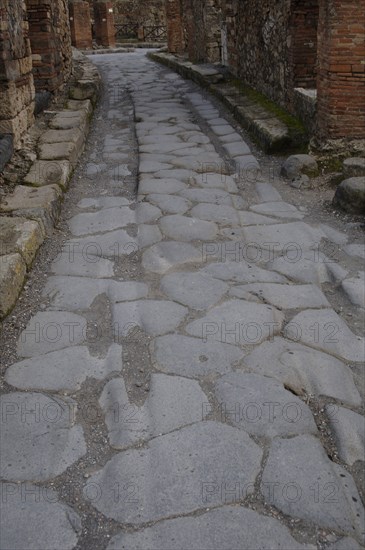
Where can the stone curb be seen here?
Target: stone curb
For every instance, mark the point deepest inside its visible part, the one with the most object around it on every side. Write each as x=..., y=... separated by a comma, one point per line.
x=267, y=130
x=29, y=214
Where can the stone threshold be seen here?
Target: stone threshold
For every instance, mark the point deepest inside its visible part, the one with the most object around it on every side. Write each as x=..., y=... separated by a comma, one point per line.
x=29, y=214
x=273, y=133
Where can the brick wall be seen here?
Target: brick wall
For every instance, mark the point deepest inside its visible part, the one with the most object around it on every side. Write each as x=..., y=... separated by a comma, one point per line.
x=50, y=37
x=175, y=35
x=202, y=29
x=303, y=25
x=80, y=24
x=16, y=78
x=341, y=70
x=104, y=23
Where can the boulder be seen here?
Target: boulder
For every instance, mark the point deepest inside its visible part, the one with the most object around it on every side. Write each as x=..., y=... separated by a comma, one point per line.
x=295, y=165
x=354, y=167
x=350, y=195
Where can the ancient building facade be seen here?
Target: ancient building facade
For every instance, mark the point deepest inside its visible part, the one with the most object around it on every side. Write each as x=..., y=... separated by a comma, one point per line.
x=287, y=50
x=143, y=20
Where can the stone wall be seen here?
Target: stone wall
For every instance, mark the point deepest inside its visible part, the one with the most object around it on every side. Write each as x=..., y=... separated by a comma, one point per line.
x=16, y=79
x=80, y=24
x=50, y=36
x=104, y=24
x=202, y=29
x=174, y=21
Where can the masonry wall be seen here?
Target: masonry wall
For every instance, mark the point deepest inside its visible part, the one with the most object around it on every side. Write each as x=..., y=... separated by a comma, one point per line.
x=175, y=32
x=50, y=37
x=16, y=78
x=80, y=24
x=202, y=29
x=341, y=72
x=146, y=13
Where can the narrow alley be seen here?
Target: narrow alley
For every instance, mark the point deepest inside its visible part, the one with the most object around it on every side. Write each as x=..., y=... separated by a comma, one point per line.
x=190, y=373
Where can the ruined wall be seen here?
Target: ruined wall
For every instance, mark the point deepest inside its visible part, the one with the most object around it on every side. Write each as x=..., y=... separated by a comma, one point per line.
x=80, y=24
x=50, y=37
x=341, y=71
x=146, y=13
x=16, y=79
x=174, y=21
x=202, y=29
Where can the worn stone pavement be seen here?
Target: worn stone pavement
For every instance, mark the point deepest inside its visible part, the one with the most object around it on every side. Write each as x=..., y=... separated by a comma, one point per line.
x=188, y=383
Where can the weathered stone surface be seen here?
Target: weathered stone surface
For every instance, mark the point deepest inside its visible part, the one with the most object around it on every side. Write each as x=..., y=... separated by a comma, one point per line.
x=63, y=370
x=67, y=150
x=350, y=195
x=88, y=223
x=354, y=289
x=349, y=431
x=12, y=275
x=50, y=331
x=250, y=218
x=41, y=203
x=163, y=256
x=267, y=193
x=215, y=176
x=219, y=213
x=237, y=148
x=283, y=236
x=196, y=290
x=355, y=250
x=67, y=119
x=307, y=266
x=155, y=317
x=325, y=330
x=299, y=164
x=85, y=89
x=170, y=204
x=22, y=236
x=345, y=543
x=164, y=186
x=279, y=209
x=242, y=272
x=73, y=263
x=39, y=438
x=181, y=462
x=147, y=213
x=192, y=357
x=46, y=172
x=226, y=528
x=172, y=402
x=183, y=228
x=285, y=296
x=237, y=322
x=73, y=293
x=104, y=202
x=262, y=406
x=113, y=244
x=287, y=483
x=215, y=196
x=39, y=521
x=354, y=167
x=304, y=370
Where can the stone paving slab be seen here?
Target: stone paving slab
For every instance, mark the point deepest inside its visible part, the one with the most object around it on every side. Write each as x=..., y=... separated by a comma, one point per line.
x=73, y=293
x=41, y=522
x=63, y=370
x=12, y=274
x=172, y=403
x=354, y=288
x=183, y=228
x=19, y=236
x=242, y=272
x=278, y=209
x=161, y=257
x=284, y=296
x=279, y=237
x=181, y=462
x=39, y=438
x=170, y=204
x=349, y=430
x=225, y=528
x=46, y=172
x=307, y=266
x=291, y=462
x=195, y=290
x=193, y=357
x=304, y=370
x=237, y=322
x=155, y=317
x=72, y=263
x=325, y=330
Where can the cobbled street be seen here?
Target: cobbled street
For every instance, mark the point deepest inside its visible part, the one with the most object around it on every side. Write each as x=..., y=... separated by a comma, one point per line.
x=189, y=376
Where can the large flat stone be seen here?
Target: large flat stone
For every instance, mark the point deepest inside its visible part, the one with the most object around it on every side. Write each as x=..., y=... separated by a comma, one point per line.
x=172, y=402
x=39, y=521
x=304, y=370
x=307, y=266
x=161, y=257
x=280, y=237
x=50, y=331
x=262, y=406
x=349, y=431
x=191, y=357
x=325, y=330
x=237, y=322
x=39, y=438
x=284, y=296
x=242, y=272
x=67, y=150
x=77, y=293
x=81, y=265
x=19, y=236
x=113, y=244
x=68, y=119
x=63, y=370
x=167, y=185
x=220, y=213
x=214, y=196
x=183, y=228
x=169, y=203
x=354, y=288
x=47, y=172
x=227, y=528
x=195, y=290
x=12, y=276
x=155, y=317
x=41, y=204
x=278, y=209
x=287, y=483
x=88, y=223
x=181, y=463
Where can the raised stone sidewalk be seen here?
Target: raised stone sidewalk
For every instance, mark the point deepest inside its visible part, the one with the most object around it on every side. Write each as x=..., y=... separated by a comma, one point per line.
x=29, y=214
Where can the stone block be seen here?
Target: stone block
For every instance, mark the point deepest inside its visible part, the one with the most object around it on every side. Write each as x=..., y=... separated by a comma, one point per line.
x=350, y=195
x=12, y=275
x=20, y=236
x=48, y=172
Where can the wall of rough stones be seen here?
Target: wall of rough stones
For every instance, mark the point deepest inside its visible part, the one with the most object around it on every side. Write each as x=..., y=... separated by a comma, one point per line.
x=50, y=37
x=16, y=78
x=202, y=29
x=146, y=13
